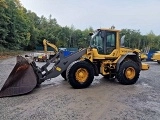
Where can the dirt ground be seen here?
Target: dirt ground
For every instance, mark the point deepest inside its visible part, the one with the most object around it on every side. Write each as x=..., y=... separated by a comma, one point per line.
x=103, y=100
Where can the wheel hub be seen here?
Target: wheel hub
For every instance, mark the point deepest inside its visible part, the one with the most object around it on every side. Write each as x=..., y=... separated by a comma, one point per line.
x=81, y=75
x=130, y=73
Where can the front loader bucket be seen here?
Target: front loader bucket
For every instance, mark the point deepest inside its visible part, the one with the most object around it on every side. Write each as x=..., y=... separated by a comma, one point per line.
x=21, y=80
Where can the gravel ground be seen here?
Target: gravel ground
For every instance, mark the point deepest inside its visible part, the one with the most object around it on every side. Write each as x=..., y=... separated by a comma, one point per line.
x=103, y=100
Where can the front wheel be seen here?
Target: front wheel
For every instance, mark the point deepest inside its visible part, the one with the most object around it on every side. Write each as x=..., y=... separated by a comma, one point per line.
x=158, y=61
x=80, y=74
x=128, y=72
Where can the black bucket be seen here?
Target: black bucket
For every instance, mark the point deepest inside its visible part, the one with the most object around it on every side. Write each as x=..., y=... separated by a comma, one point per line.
x=21, y=80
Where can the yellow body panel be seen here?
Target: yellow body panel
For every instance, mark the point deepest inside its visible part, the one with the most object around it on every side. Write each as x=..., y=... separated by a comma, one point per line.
x=156, y=56
x=111, y=59
x=145, y=66
x=40, y=56
x=143, y=56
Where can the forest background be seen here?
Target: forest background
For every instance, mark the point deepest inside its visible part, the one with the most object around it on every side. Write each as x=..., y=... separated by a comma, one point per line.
x=22, y=29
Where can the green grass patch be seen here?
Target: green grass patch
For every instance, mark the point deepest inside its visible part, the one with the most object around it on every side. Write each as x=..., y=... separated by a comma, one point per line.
x=10, y=53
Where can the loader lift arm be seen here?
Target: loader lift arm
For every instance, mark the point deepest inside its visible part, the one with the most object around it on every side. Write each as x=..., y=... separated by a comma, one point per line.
x=34, y=75
x=61, y=64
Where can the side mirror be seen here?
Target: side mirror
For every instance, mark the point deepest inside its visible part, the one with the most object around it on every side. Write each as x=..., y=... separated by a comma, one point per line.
x=122, y=40
x=90, y=34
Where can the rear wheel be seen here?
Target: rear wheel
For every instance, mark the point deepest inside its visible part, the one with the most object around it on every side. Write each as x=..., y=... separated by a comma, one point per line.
x=158, y=61
x=128, y=72
x=80, y=74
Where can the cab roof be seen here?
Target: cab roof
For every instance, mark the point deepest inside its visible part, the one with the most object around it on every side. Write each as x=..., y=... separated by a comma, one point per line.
x=109, y=29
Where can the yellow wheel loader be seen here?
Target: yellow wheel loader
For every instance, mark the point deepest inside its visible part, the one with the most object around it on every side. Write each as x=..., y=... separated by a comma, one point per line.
x=106, y=55
x=156, y=57
x=143, y=56
x=144, y=53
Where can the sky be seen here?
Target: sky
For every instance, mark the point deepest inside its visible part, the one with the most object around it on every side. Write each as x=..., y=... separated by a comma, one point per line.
x=143, y=15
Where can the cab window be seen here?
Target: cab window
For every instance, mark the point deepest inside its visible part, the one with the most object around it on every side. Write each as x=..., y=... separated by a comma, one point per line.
x=110, y=42
x=97, y=43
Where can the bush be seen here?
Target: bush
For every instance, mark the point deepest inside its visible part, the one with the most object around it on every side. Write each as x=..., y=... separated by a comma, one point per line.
x=2, y=49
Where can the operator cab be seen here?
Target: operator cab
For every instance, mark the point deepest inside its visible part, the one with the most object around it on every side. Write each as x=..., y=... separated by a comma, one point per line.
x=104, y=41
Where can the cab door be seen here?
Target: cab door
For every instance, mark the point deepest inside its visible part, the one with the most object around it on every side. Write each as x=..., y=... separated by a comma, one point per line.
x=110, y=42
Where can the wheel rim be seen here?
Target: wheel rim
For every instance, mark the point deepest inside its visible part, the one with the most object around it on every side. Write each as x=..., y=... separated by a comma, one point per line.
x=130, y=73
x=81, y=75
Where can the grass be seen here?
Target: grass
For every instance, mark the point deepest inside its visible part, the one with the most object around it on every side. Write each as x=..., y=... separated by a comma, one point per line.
x=9, y=53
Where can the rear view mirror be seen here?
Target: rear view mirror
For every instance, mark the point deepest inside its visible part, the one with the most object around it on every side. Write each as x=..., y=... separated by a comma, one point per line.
x=90, y=34
x=122, y=40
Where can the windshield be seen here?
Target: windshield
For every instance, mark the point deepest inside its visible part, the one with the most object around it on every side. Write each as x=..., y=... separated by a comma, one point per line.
x=103, y=41
x=96, y=39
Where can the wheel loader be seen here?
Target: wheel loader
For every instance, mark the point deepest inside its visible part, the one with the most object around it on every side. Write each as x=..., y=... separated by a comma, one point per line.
x=106, y=55
x=156, y=57
x=143, y=56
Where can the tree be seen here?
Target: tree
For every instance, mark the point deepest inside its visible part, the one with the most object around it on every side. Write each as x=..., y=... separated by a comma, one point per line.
x=132, y=38
x=151, y=40
x=3, y=23
x=23, y=29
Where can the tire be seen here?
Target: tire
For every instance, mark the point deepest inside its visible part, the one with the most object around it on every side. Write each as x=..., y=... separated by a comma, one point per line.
x=63, y=74
x=80, y=74
x=158, y=61
x=128, y=73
